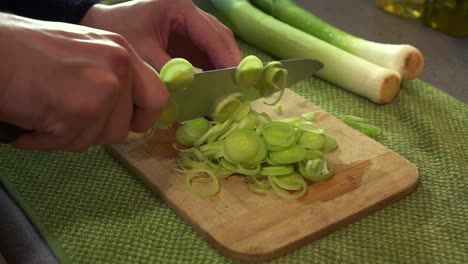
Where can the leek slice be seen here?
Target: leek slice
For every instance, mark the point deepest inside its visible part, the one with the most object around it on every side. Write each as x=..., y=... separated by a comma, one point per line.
x=258, y=181
x=257, y=186
x=241, y=145
x=249, y=71
x=264, y=118
x=314, y=154
x=273, y=79
x=186, y=161
x=280, y=192
x=219, y=170
x=288, y=156
x=250, y=121
x=239, y=168
x=291, y=181
x=311, y=140
x=226, y=107
x=329, y=144
x=218, y=130
x=261, y=155
x=255, y=189
x=277, y=170
x=242, y=110
x=188, y=133
x=314, y=166
x=309, y=126
x=279, y=135
x=177, y=74
x=190, y=177
x=315, y=170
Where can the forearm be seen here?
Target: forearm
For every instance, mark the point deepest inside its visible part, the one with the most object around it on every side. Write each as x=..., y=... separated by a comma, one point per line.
x=70, y=11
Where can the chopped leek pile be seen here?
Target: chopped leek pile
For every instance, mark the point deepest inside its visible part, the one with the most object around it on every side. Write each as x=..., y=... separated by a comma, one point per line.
x=278, y=155
x=236, y=140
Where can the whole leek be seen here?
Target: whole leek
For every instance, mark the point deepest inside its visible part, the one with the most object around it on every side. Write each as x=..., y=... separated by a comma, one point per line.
x=405, y=59
x=342, y=68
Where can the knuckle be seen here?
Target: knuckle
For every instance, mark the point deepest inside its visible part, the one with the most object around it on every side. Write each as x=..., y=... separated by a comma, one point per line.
x=99, y=88
x=119, y=39
x=105, y=90
x=108, y=87
x=89, y=110
x=120, y=60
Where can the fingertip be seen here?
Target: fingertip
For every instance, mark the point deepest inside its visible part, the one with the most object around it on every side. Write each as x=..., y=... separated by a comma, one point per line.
x=227, y=61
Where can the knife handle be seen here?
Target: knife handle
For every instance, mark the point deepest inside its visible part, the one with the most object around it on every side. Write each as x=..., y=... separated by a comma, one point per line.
x=9, y=132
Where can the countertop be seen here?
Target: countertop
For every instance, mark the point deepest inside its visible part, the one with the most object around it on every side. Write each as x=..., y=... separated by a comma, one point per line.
x=446, y=67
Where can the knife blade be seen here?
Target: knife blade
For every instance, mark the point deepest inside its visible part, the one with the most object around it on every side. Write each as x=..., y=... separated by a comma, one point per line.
x=209, y=87
x=206, y=89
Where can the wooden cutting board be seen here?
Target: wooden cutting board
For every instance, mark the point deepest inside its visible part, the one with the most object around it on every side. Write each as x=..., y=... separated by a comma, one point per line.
x=251, y=227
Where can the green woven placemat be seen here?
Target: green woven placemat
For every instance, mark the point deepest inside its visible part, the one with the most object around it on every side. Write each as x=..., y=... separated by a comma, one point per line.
x=91, y=209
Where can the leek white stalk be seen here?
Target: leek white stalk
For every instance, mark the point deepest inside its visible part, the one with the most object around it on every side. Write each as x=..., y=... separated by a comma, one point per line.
x=342, y=68
x=405, y=59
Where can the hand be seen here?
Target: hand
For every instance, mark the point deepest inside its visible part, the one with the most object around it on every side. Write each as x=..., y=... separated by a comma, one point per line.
x=73, y=86
x=162, y=29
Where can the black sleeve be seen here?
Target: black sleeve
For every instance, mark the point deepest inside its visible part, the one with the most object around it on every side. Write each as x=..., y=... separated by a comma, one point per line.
x=70, y=11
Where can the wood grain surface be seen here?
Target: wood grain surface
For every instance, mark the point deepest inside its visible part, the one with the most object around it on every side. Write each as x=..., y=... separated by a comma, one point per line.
x=250, y=227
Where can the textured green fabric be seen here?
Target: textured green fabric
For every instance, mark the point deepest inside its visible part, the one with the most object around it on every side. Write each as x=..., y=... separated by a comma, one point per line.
x=91, y=209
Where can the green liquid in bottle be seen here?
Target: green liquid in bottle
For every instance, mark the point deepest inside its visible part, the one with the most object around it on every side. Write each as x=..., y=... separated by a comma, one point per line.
x=449, y=16
x=404, y=8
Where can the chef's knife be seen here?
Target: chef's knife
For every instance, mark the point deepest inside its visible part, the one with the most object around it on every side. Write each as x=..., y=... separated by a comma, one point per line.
x=206, y=89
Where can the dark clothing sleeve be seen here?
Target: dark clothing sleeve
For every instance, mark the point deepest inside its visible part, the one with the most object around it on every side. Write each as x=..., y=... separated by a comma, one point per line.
x=70, y=11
